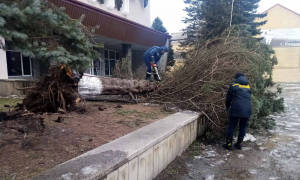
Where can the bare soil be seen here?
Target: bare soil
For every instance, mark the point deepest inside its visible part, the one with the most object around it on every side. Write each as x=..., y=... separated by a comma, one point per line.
x=31, y=144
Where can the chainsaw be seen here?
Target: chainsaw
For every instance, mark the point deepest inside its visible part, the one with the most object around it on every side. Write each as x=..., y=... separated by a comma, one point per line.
x=156, y=71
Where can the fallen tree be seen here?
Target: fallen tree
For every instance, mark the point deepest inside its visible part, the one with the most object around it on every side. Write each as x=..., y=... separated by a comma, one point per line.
x=96, y=85
x=202, y=83
x=62, y=89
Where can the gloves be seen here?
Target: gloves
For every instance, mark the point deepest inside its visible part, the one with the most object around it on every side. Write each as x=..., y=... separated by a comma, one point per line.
x=153, y=65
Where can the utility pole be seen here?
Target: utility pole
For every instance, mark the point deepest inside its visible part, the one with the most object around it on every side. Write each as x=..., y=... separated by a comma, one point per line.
x=231, y=13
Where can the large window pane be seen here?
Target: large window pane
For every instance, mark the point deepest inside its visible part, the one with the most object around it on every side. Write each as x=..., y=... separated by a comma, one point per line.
x=112, y=66
x=106, y=67
x=97, y=67
x=112, y=55
x=14, y=66
x=88, y=71
x=26, y=66
x=106, y=54
x=117, y=55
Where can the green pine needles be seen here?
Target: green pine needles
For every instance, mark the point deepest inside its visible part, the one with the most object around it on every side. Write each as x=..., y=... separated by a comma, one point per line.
x=40, y=30
x=209, y=18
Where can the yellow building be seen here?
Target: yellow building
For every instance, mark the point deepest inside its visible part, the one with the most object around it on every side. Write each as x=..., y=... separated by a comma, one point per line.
x=282, y=32
x=176, y=39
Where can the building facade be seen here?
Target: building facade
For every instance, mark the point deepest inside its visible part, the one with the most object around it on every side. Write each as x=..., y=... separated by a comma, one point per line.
x=282, y=32
x=122, y=29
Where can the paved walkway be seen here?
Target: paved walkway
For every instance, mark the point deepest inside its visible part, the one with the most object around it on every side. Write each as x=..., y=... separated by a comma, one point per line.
x=270, y=156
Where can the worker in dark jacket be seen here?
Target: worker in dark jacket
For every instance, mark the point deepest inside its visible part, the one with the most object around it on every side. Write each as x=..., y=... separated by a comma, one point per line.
x=238, y=106
x=153, y=55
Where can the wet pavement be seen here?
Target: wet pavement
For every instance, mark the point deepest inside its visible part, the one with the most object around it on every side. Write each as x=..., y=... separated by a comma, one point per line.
x=274, y=155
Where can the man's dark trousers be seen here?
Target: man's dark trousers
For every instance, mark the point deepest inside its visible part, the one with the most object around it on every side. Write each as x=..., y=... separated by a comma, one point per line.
x=233, y=121
x=148, y=64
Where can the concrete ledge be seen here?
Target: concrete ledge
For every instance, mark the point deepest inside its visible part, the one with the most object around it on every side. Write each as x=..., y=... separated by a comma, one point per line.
x=140, y=155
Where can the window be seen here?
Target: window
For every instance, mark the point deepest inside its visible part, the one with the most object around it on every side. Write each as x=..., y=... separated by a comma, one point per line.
x=17, y=64
x=111, y=58
x=95, y=65
x=95, y=68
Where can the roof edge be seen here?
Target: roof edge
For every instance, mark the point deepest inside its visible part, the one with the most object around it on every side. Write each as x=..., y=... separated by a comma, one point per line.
x=280, y=6
x=86, y=6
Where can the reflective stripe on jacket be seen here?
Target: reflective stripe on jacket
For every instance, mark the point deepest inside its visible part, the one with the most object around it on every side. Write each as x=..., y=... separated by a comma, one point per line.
x=239, y=98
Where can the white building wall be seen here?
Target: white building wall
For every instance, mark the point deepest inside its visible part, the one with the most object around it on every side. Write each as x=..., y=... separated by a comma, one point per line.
x=3, y=63
x=134, y=12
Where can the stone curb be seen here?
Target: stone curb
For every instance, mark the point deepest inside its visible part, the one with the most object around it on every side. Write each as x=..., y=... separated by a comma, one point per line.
x=139, y=155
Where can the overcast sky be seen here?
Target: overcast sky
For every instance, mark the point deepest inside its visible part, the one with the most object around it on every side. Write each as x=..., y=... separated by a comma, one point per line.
x=171, y=11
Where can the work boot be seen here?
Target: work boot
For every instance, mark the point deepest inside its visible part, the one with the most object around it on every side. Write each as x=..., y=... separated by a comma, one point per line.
x=148, y=77
x=239, y=143
x=156, y=78
x=228, y=144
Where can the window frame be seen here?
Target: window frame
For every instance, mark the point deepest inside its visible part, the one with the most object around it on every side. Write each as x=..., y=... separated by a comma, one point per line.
x=22, y=67
x=110, y=60
x=92, y=70
x=92, y=67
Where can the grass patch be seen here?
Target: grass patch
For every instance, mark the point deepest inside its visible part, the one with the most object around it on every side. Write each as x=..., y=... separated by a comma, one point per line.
x=195, y=149
x=173, y=171
x=8, y=101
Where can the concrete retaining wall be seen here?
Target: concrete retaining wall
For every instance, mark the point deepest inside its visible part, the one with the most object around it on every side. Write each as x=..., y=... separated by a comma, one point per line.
x=10, y=86
x=140, y=155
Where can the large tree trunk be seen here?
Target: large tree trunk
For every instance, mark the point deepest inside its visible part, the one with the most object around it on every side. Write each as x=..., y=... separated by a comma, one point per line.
x=90, y=85
x=62, y=89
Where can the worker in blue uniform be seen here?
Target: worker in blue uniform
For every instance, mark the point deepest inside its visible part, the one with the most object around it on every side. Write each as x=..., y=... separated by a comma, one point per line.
x=151, y=58
x=238, y=107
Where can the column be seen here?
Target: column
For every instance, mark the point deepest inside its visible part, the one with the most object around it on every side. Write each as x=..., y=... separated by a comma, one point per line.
x=3, y=62
x=110, y=4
